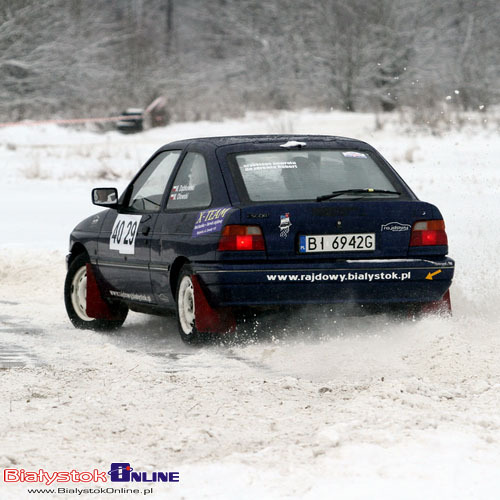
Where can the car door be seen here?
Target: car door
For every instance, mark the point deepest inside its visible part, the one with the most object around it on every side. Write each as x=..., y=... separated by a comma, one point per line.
x=124, y=246
x=175, y=232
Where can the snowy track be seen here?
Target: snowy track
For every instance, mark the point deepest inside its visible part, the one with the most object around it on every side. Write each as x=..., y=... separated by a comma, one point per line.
x=319, y=408
x=369, y=401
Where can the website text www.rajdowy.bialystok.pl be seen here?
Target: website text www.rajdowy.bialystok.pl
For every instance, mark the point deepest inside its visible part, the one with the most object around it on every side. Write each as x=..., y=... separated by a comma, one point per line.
x=341, y=277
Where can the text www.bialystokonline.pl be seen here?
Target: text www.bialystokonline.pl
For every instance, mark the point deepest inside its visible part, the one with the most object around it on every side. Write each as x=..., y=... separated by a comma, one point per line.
x=341, y=278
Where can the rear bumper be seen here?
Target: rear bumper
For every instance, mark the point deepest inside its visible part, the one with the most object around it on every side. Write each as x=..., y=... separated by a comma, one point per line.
x=356, y=281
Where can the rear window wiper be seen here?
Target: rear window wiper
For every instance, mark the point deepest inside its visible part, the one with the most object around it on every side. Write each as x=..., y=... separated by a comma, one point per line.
x=334, y=194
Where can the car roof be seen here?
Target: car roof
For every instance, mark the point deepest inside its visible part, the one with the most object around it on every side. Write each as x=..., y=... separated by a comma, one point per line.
x=259, y=140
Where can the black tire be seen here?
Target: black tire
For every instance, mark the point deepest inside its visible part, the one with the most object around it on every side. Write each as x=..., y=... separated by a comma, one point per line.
x=184, y=308
x=74, y=300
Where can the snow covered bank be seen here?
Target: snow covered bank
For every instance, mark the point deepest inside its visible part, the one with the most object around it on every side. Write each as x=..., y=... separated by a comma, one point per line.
x=319, y=408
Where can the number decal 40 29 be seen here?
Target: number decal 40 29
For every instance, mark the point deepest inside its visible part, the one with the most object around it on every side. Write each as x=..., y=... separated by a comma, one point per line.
x=124, y=232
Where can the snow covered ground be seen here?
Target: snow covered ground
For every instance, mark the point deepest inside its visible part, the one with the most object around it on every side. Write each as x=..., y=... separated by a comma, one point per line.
x=316, y=408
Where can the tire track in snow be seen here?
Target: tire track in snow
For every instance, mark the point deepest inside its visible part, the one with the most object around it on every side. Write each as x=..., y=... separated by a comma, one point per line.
x=15, y=356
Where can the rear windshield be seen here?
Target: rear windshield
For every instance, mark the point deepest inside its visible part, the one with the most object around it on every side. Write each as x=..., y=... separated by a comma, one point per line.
x=305, y=175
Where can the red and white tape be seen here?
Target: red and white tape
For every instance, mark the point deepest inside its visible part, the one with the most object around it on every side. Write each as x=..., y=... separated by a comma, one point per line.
x=71, y=121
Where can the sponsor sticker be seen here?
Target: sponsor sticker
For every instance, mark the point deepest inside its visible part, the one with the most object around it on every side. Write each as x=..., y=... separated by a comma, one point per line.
x=285, y=225
x=395, y=227
x=354, y=154
x=131, y=296
x=271, y=165
x=209, y=221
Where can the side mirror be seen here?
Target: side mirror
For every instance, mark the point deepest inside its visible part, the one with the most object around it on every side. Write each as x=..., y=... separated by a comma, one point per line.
x=105, y=197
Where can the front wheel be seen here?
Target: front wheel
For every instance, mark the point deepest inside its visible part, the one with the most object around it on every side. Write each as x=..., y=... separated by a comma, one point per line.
x=75, y=299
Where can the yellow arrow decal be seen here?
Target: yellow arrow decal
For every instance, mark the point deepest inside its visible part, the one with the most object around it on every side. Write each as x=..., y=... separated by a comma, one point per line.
x=431, y=275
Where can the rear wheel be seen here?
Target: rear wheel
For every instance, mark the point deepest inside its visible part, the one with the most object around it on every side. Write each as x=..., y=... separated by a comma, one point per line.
x=186, y=310
x=75, y=299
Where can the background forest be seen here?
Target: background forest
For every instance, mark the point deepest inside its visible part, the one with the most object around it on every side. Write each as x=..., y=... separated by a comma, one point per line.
x=67, y=58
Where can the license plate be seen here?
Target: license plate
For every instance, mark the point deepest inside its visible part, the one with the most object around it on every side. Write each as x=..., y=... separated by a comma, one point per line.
x=362, y=242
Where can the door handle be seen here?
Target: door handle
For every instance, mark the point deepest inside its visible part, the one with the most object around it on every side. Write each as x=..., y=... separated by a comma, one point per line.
x=145, y=230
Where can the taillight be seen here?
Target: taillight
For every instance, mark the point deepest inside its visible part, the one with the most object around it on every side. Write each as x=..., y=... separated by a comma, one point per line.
x=428, y=232
x=236, y=237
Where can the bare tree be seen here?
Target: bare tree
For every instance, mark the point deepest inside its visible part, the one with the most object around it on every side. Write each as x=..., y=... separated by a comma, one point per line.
x=219, y=58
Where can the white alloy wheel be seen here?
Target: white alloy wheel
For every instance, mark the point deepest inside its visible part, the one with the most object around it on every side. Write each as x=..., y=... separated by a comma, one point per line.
x=75, y=299
x=185, y=305
x=79, y=294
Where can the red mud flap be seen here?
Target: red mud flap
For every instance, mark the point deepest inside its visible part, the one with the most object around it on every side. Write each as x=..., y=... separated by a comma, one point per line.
x=96, y=306
x=442, y=306
x=207, y=318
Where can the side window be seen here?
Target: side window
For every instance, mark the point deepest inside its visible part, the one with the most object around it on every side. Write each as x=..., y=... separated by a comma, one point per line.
x=191, y=188
x=149, y=187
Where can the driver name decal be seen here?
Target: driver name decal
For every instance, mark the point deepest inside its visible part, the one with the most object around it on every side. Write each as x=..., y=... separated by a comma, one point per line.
x=123, y=233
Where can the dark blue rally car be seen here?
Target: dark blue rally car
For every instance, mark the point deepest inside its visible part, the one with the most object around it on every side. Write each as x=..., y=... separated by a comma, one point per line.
x=213, y=226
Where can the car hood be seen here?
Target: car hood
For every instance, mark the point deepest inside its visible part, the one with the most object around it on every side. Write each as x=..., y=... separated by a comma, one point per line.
x=91, y=224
